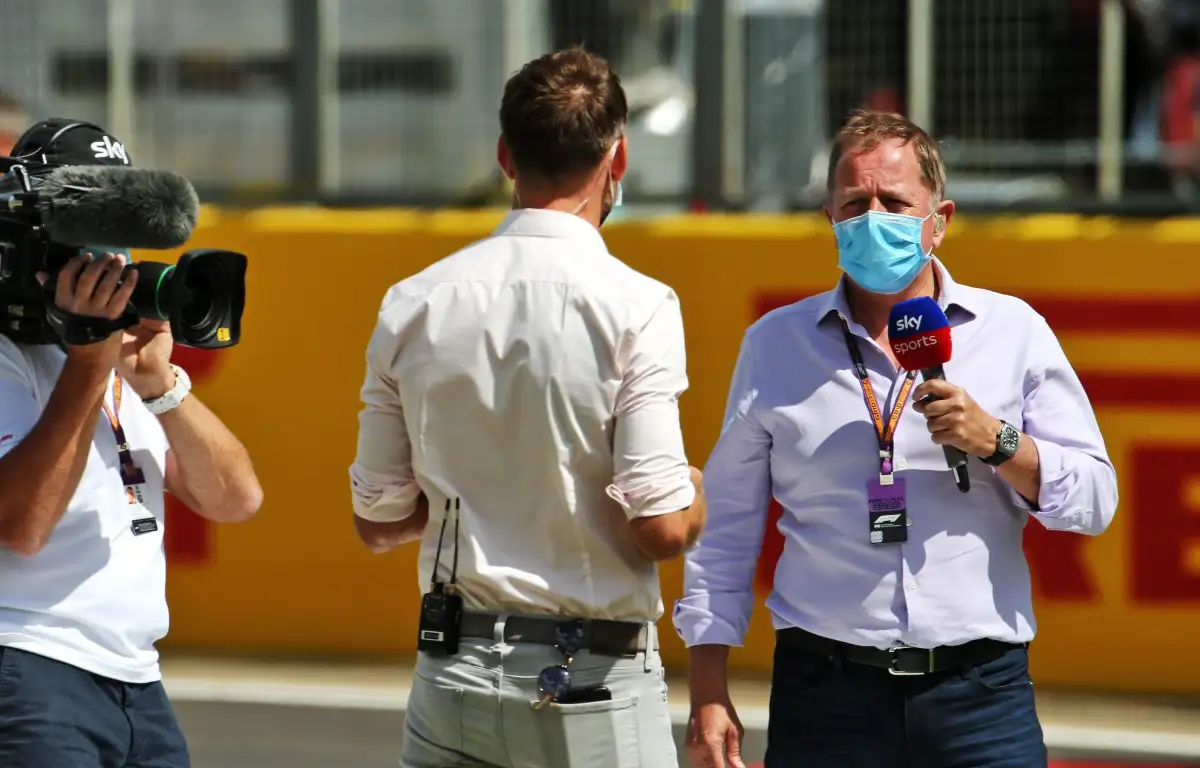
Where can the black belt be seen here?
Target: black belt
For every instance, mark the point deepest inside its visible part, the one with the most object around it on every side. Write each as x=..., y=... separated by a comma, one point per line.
x=901, y=660
x=608, y=638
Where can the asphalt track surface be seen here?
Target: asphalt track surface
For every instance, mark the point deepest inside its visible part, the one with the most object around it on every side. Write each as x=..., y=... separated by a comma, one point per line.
x=227, y=734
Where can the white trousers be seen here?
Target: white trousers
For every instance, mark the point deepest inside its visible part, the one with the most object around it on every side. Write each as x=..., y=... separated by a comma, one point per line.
x=476, y=710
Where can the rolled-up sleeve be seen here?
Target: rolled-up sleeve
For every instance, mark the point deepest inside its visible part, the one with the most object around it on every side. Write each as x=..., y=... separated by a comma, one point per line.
x=718, y=584
x=1078, y=491
x=650, y=469
x=382, y=484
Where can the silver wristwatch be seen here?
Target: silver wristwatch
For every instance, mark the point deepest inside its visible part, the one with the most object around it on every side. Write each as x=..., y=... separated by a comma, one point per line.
x=1008, y=440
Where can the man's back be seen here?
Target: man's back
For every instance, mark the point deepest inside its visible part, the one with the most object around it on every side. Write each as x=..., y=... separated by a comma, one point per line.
x=510, y=359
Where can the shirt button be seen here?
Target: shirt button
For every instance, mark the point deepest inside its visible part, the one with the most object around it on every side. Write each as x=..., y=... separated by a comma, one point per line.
x=901, y=463
x=912, y=587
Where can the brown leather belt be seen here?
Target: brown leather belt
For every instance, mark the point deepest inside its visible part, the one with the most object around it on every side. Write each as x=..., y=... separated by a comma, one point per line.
x=608, y=638
x=901, y=660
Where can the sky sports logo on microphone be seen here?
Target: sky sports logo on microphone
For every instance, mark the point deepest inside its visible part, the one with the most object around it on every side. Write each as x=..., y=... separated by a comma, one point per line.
x=914, y=345
x=919, y=334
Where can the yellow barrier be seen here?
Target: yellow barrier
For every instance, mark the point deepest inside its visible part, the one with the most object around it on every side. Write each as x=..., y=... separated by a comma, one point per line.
x=1118, y=611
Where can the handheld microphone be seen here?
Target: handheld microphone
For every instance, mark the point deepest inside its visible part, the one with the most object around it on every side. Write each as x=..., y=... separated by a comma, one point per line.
x=919, y=334
x=119, y=206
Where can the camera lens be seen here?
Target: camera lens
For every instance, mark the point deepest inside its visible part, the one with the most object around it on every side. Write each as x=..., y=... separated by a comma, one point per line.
x=202, y=295
x=198, y=298
x=204, y=304
x=149, y=293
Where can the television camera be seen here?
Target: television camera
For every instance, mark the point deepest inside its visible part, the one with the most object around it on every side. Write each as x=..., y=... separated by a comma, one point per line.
x=57, y=201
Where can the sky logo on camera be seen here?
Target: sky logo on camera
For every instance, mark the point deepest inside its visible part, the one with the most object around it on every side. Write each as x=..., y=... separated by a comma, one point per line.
x=107, y=149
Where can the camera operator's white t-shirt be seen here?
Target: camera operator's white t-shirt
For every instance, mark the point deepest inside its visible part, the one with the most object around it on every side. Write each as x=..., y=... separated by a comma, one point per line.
x=95, y=596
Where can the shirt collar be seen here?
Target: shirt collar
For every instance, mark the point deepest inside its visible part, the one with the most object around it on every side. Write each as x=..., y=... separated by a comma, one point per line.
x=538, y=222
x=951, y=297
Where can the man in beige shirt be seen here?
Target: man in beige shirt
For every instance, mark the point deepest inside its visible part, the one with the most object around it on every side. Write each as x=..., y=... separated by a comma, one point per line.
x=522, y=396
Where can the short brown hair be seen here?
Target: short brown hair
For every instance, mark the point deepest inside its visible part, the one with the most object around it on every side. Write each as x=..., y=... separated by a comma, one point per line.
x=561, y=114
x=865, y=129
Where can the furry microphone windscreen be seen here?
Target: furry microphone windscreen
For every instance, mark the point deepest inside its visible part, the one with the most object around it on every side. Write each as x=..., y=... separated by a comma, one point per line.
x=120, y=207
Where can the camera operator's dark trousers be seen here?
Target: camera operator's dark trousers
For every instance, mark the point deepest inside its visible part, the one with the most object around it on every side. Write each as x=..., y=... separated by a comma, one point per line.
x=54, y=715
x=827, y=712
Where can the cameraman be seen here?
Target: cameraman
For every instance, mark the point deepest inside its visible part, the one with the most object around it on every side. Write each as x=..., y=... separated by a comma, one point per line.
x=90, y=438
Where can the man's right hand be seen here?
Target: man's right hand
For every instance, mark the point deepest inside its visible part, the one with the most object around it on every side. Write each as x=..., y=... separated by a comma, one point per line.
x=93, y=288
x=714, y=735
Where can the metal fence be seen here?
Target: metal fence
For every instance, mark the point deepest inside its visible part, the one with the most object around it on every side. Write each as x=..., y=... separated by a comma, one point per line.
x=1038, y=103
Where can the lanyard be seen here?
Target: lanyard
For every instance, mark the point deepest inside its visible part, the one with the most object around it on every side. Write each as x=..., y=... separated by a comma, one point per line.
x=131, y=474
x=886, y=432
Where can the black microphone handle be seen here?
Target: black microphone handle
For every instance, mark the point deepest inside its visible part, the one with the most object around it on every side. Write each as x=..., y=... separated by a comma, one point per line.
x=954, y=457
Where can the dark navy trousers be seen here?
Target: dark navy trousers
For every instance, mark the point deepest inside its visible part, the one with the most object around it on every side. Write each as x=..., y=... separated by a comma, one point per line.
x=54, y=715
x=826, y=713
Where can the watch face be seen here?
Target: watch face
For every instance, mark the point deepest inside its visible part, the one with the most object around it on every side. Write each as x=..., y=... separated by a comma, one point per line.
x=1008, y=440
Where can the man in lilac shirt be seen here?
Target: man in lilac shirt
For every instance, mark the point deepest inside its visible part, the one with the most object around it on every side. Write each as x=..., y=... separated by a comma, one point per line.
x=912, y=653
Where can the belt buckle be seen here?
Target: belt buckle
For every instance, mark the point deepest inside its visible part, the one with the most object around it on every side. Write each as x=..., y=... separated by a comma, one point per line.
x=894, y=650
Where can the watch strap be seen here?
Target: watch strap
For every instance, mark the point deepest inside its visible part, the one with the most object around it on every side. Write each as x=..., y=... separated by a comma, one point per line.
x=172, y=399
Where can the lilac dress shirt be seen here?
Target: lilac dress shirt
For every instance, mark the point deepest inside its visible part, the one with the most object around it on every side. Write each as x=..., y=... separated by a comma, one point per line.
x=796, y=427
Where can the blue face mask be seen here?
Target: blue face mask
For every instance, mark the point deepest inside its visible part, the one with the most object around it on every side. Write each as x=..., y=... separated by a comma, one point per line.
x=881, y=251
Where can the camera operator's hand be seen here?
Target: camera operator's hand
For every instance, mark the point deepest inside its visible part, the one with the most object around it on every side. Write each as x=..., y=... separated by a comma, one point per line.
x=92, y=287
x=145, y=360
